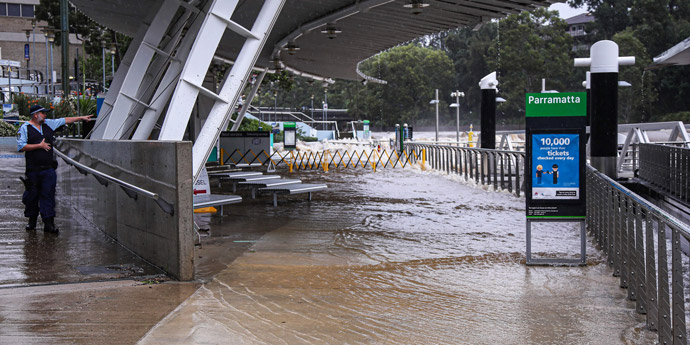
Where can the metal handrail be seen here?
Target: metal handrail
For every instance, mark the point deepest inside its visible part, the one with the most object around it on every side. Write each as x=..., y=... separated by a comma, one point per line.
x=501, y=168
x=623, y=223
x=131, y=190
x=666, y=167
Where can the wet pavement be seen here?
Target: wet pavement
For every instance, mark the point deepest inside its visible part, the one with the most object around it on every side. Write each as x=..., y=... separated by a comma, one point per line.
x=398, y=257
x=77, y=287
x=393, y=257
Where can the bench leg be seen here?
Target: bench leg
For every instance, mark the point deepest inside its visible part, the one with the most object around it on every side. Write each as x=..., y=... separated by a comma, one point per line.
x=253, y=193
x=234, y=187
x=309, y=196
x=275, y=199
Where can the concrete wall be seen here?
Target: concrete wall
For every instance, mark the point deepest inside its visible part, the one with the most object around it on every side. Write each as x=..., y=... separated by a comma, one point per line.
x=140, y=225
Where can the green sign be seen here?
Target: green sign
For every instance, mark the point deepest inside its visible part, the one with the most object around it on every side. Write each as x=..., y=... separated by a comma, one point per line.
x=556, y=104
x=289, y=125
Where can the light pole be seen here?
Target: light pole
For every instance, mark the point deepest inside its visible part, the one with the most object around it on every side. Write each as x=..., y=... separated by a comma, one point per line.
x=325, y=106
x=103, y=60
x=456, y=105
x=33, y=34
x=275, y=106
x=51, y=39
x=312, y=106
x=47, y=77
x=435, y=101
x=113, y=51
x=28, y=58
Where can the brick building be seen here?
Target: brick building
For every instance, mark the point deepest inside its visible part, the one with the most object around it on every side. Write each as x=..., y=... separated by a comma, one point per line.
x=19, y=27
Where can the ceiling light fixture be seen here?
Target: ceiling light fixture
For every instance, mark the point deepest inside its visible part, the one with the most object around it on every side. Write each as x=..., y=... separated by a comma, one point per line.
x=291, y=48
x=331, y=31
x=416, y=6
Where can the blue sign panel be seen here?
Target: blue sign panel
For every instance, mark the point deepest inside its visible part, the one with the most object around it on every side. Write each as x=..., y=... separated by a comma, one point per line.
x=26, y=52
x=555, y=166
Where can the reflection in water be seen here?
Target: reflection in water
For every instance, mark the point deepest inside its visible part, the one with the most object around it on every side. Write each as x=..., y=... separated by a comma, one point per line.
x=402, y=257
x=39, y=257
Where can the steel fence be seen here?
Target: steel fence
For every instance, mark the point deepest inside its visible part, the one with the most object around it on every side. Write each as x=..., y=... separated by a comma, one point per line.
x=326, y=159
x=637, y=237
x=666, y=167
x=500, y=168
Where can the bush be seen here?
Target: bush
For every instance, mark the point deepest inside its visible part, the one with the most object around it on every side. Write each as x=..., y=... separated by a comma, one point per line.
x=7, y=130
x=679, y=116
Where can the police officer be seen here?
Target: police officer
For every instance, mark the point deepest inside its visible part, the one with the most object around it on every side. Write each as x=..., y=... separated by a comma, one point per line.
x=36, y=138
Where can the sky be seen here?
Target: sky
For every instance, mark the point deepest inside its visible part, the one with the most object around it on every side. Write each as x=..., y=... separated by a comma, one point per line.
x=566, y=11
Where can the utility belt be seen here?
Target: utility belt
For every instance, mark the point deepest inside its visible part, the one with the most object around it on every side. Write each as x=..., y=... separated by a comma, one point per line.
x=42, y=167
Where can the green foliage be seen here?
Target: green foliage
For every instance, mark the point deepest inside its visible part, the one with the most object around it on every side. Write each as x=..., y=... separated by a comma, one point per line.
x=251, y=125
x=679, y=116
x=633, y=102
x=532, y=46
x=7, y=130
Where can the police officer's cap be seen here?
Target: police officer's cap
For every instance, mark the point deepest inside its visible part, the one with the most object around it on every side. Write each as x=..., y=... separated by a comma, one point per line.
x=37, y=108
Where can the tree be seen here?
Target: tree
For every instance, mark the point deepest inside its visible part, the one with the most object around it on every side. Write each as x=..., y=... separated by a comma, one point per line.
x=532, y=46
x=634, y=101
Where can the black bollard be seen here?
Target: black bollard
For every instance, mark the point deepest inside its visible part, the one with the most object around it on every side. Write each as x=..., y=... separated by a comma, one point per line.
x=603, y=100
x=488, y=85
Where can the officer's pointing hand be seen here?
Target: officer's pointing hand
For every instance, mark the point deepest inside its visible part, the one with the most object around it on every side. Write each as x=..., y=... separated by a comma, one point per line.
x=86, y=118
x=45, y=145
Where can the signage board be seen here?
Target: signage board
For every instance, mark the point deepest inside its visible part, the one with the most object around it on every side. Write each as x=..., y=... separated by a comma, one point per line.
x=555, y=160
x=26, y=52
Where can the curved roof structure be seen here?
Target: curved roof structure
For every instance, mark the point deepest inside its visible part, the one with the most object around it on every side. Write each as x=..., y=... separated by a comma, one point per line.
x=354, y=30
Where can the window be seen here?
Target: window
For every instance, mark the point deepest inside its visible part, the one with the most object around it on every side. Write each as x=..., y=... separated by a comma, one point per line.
x=3, y=9
x=13, y=10
x=28, y=11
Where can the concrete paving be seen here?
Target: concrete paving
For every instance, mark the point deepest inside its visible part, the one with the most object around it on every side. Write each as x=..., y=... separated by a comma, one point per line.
x=362, y=263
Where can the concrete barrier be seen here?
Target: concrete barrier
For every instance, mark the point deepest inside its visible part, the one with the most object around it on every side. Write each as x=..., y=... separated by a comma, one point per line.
x=138, y=224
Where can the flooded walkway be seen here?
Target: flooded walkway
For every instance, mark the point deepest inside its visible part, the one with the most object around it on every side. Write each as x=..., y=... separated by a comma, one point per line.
x=396, y=257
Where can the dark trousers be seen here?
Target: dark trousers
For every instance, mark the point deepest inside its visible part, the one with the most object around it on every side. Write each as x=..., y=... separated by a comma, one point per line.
x=40, y=194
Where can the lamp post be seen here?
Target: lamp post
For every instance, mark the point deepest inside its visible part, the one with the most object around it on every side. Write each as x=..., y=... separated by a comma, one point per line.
x=33, y=34
x=47, y=77
x=456, y=105
x=103, y=60
x=51, y=39
x=275, y=106
x=113, y=51
x=435, y=101
x=325, y=106
x=312, y=106
x=28, y=58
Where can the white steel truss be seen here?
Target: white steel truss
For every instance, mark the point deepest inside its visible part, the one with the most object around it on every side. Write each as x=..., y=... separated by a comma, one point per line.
x=123, y=97
x=189, y=85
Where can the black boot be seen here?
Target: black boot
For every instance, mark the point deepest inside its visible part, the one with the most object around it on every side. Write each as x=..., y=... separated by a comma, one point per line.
x=32, y=223
x=49, y=225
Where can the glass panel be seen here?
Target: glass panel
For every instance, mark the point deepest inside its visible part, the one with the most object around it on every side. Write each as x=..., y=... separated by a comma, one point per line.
x=28, y=11
x=13, y=10
x=3, y=9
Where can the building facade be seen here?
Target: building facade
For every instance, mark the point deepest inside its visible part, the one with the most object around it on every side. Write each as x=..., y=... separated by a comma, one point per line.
x=19, y=28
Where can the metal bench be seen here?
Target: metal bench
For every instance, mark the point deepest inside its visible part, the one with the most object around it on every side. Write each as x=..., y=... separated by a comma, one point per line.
x=293, y=189
x=227, y=175
x=274, y=182
x=212, y=200
x=239, y=178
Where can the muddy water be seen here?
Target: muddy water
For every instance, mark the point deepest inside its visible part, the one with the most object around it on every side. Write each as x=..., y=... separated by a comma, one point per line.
x=398, y=257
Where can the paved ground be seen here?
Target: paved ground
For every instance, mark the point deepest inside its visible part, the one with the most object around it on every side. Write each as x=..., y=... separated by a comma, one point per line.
x=363, y=263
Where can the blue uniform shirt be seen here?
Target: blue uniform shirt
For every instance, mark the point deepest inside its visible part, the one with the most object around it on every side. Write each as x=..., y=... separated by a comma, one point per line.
x=22, y=135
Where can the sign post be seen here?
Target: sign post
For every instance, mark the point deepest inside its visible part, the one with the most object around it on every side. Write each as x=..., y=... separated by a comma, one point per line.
x=555, y=165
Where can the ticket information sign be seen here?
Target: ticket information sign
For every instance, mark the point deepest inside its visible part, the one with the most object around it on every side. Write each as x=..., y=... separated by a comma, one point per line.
x=555, y=159
x=555, y=165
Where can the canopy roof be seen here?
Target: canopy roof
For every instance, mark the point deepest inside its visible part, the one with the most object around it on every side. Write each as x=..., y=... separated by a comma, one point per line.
x=677, y=55
x=367, y=27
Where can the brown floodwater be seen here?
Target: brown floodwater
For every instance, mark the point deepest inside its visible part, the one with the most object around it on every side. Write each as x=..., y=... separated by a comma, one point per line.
x=395, y=257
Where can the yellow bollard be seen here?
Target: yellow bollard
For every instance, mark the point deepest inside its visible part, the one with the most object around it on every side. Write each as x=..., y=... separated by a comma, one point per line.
x=469, y=137
x=423, y=158
x=373, y=166
x=290, y=166
x=222, y=154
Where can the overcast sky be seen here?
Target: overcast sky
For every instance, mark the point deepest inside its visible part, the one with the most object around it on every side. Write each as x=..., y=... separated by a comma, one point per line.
x=566, y=11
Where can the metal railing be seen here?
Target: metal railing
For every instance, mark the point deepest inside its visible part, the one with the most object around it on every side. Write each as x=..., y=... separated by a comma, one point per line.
x=500, y=168
x=634, y=234
x=666, y=167
x=326, y=159
x=104, y=179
